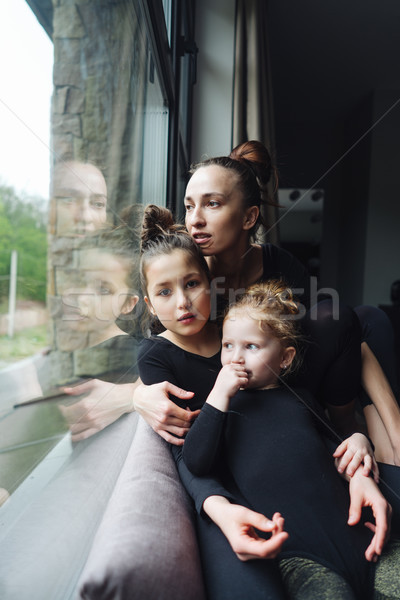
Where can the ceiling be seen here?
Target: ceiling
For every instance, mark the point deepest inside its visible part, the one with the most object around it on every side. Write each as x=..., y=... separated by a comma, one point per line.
x=43, y=9
x=328, y=55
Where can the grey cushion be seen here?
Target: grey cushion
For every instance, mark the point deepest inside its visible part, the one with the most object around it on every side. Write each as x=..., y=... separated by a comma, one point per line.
x=145, y=547
x=46, y=539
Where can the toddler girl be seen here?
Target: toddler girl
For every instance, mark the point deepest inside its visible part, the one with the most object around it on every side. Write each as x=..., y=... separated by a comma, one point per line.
x=269, y=441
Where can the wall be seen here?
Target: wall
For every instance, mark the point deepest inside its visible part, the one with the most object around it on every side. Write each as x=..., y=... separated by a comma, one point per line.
x=382, y=249
x=368, y=230
x=350, y=230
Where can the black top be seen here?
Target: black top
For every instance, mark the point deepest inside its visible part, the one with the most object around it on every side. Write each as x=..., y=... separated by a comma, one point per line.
x=277, y=264
x=272, y=445
x=161, y=360
x=280, y=264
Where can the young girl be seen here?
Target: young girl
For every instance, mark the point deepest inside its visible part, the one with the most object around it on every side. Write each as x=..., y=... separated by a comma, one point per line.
x=175, y=283
x=270, y=440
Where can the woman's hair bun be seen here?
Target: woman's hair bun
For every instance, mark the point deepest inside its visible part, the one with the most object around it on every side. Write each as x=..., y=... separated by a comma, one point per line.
x=257, y=158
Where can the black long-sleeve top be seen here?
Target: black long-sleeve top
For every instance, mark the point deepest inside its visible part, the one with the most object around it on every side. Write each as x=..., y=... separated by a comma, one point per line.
x=272, y=444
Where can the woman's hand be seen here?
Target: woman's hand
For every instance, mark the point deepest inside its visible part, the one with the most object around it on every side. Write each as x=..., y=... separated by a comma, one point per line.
x=354, y=451
x=239, y=525
x=364, y=492
x=104, y=403
x=164, y=416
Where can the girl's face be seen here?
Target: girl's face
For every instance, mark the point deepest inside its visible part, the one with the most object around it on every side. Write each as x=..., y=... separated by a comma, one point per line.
x=178, y=293
x=102, y=294
x=215, y=215
x=261, y=354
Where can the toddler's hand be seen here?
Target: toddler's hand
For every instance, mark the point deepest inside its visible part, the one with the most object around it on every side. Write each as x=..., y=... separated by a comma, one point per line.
x=230, y=379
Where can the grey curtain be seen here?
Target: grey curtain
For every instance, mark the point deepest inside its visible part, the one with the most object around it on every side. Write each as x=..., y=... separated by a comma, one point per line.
x=252, y=90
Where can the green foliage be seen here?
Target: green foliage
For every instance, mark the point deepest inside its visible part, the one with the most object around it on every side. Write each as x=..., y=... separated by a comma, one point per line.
x=24, y=344
x=23, y=228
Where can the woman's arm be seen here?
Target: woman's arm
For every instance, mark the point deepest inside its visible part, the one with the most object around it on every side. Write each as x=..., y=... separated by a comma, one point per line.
x=104, y=403
x=169, y=420
x=378, y=389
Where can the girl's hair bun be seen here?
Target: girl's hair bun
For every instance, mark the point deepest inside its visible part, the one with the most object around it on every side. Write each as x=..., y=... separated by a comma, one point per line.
x=158, y=222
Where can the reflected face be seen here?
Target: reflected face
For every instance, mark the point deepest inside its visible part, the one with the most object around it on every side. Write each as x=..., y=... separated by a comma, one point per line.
x=80, y=196
x=178, y=293
x=102, y=294
x=215, y=214
x=260, y=353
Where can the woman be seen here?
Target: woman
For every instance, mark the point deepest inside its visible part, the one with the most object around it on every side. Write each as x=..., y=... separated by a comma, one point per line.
x=222, y=210
x=227, y=259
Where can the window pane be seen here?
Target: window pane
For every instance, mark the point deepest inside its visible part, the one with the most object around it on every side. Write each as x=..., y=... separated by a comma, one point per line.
x=167, y=5
x=109, y=139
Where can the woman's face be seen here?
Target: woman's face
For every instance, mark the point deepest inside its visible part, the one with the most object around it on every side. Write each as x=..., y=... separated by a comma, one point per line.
x=215, y=215
x=80, y=196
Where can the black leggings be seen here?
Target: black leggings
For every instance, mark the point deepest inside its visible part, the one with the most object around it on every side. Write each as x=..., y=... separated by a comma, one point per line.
x=228, y=578
x=331, y=367
x=389, y=476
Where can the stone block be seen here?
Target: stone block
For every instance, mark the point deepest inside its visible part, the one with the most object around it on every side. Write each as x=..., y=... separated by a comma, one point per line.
x=67, y=23
x=97, y=153
x=67, y=51
x=68, y=74
x=60, y=100
x=75, y=101
x=67, y=124
x=62, y=146
x=80, y=149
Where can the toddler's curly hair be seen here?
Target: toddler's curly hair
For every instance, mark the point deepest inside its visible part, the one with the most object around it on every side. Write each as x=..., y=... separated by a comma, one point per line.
x=272, y=304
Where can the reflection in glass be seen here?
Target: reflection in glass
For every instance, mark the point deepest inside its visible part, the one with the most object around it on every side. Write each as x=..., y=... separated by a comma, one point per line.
x=109, y=139
x=78, y=198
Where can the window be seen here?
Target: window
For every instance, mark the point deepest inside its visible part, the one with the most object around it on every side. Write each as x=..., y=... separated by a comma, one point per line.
x=120, y=136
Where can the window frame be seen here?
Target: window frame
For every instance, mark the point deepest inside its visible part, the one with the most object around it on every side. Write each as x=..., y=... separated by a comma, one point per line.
x=168, y=62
